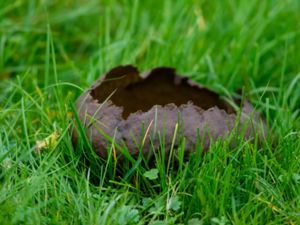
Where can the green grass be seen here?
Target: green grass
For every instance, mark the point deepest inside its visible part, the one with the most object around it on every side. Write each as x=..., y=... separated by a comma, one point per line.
x=51, y=50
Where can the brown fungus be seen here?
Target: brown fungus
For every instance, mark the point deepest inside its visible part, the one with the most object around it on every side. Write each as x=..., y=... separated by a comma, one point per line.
x=140, y=112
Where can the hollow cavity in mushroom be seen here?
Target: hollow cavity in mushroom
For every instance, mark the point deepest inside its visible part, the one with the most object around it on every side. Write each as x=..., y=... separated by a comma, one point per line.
x=159, y=87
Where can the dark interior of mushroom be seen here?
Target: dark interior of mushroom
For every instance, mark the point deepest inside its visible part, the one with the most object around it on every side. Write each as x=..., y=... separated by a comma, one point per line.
x=160, y=87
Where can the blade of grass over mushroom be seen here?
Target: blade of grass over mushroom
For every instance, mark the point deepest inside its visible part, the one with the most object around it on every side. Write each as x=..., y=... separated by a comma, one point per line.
x=171, y=155
x=136, y=163
x=146, y=133
x=110, y=158
x=92, y=117
x=121, y=149
x=80, y=128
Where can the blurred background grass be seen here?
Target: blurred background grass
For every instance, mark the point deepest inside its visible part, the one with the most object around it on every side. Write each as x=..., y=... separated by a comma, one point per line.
x=230, y=42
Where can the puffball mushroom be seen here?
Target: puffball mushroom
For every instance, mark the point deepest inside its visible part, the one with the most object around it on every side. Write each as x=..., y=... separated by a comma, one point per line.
x=140, y=112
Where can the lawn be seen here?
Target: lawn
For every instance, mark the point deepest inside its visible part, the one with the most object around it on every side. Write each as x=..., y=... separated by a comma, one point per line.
x=50, y=51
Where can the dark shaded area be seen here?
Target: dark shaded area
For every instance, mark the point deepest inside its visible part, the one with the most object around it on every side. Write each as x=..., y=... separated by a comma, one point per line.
x=160, y=87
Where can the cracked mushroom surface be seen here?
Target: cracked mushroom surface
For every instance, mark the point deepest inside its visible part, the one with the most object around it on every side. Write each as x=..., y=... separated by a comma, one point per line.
x=142, y=112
